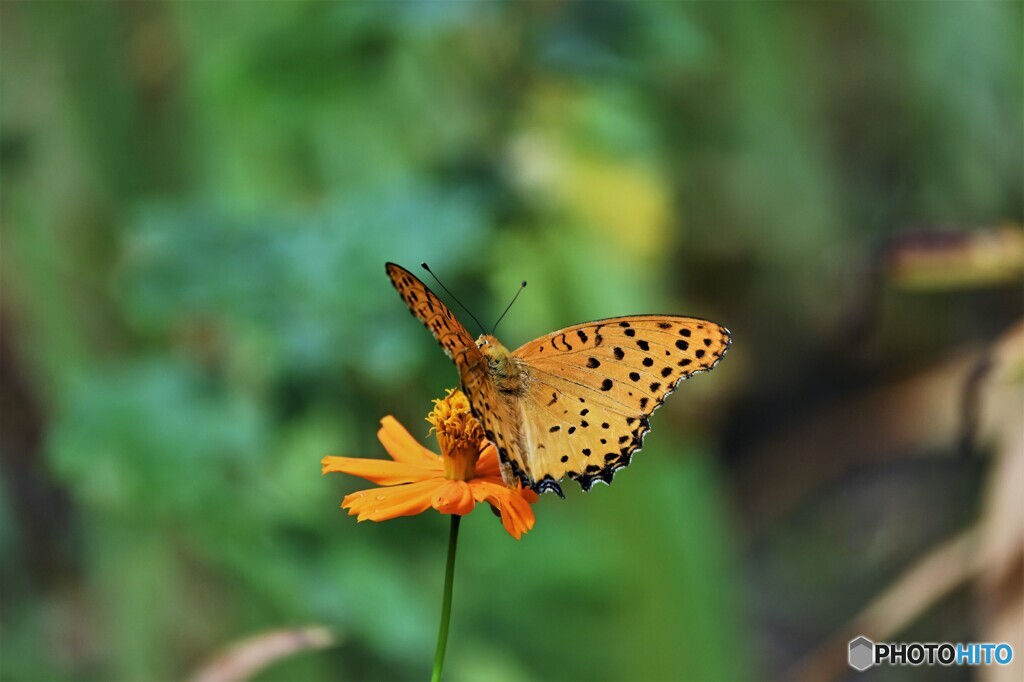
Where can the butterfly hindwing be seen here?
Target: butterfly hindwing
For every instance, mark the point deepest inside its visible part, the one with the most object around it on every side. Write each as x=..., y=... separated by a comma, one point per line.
x=592, y=388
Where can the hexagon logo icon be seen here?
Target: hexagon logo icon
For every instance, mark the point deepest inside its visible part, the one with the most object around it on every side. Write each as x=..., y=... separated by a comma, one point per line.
x=862, y=653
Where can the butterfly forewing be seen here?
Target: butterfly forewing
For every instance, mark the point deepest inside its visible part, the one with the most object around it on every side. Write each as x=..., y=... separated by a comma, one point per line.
x=442, y=323
x=493, y=412
x=592, y=387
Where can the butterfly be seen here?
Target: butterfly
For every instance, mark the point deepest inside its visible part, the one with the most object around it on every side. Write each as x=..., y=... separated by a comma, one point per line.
x=574, y=403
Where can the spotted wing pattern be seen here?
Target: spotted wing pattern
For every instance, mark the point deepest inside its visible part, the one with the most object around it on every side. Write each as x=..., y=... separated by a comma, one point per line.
x=446, y=328
x=591, y=389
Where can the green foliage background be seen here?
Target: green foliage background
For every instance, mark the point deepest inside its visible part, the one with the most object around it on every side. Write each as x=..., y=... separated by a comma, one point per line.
x=198, y=200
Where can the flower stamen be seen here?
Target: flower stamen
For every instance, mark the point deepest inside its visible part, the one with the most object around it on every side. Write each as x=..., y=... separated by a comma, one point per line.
x=459, y=434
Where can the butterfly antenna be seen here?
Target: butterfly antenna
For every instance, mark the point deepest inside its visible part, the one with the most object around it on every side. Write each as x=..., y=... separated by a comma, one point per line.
x=521, y=287
x=427, y=268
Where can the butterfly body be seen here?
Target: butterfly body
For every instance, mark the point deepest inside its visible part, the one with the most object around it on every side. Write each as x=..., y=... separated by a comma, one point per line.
x=574, y=403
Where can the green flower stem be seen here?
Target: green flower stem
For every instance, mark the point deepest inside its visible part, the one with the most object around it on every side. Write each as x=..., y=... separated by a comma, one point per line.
x=446, y=606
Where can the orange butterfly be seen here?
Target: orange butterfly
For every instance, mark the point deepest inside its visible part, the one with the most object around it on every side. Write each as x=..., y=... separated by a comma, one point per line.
x=575, y=402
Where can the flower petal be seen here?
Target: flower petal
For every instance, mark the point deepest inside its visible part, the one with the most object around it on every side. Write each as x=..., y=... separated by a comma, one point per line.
x=526, y=493
x=403, y=447
x=453, y=497
x=516, y=514
x=488, y=464
x=381, y=504
x=379, y=471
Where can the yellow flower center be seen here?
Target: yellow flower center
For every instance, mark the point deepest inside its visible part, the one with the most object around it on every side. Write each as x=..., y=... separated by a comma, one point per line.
x=459, y=434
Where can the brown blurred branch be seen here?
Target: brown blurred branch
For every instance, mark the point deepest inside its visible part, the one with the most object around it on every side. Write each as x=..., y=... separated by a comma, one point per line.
x=246, y=658
x=943, y=570
x=921, y=414
x=916, y=415
x=991, y=553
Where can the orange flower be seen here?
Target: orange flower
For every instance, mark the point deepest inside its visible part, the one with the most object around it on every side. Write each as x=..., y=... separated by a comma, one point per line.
x=467, y=472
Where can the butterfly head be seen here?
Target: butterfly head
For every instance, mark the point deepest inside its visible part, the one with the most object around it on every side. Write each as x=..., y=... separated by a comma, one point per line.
x=491, y=347
x=500, y=361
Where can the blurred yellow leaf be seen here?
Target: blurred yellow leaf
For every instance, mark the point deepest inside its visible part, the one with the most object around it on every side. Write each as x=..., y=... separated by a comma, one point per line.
x=625, y=202
x=583, y=155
